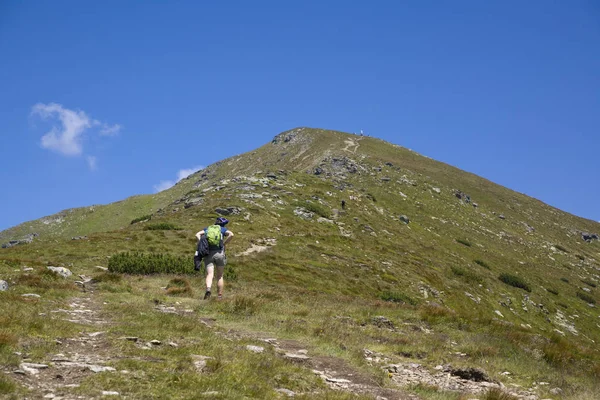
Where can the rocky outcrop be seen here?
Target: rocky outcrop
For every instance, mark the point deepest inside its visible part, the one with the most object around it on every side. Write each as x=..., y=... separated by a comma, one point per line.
x=3, y=286
x=588, y=237
x=62, y=271
x=462, y=196
x=337, y=167
x=26, y=240
x=228, y=210
x=287, y=137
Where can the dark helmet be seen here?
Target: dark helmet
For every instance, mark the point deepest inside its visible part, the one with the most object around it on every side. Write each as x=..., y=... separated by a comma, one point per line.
x=221, y=221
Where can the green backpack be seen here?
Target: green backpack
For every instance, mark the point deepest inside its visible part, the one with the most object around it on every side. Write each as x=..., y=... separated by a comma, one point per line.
x=214, y=236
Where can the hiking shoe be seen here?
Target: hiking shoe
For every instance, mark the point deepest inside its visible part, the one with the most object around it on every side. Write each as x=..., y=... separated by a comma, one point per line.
x=220, y=297
x=207, y=295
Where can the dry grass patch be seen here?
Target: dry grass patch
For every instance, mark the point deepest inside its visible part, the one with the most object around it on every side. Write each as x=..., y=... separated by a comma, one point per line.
x=180, y=287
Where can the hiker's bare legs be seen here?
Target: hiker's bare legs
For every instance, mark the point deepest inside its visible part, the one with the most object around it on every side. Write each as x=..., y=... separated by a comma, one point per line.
x=220, y=281
x=210, y=273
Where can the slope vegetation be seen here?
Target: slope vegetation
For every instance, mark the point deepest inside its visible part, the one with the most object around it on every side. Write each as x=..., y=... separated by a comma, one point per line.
x=394, y=267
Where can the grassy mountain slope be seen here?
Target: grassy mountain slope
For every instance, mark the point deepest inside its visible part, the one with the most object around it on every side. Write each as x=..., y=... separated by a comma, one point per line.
x=309, y=270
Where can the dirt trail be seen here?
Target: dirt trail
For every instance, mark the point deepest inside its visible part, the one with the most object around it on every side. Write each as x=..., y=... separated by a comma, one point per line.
x=337, y=373
x=75, y=358
x=351, y=143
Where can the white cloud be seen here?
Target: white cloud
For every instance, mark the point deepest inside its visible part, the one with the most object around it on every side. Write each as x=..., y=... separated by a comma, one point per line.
x=181, y=174
x=163, y=185
x=108, y=130
x=184, y=173
x=92, y=162
x=65, y=139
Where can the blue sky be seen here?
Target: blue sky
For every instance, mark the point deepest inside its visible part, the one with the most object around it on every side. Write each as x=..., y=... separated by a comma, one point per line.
x=103, y=100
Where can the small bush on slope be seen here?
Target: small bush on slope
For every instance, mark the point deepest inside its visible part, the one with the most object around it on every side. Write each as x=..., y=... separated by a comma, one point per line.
x=515, y=281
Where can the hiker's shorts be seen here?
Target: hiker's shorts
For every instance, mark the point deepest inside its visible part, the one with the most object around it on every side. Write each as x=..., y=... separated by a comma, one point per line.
x=215, y=258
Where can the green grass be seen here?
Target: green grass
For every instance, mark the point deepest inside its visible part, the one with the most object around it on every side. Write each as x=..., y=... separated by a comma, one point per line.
x=314, y=285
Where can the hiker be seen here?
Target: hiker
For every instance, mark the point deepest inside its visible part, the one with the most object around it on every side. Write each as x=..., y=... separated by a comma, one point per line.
x=218, y=236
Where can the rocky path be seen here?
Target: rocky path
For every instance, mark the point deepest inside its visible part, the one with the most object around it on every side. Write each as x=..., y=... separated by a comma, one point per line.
x=75, y=357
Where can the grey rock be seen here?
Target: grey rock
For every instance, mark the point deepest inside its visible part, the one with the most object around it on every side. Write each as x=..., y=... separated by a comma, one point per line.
x=386, y=179
x=556, y=391
x=156, y=342
x=404, y=219
x=110, y=393
x=303, y=213
x=337, y=380
x=501, y=216
x=588, y=237
x=79, y=238
x=99, y=368
x=324, y=220
x=228, y=210
x=382, y=322
x=287, y=137
x=471, y=374
x=286, y=392
x=437, y=190
x=37, y=296
x=271, y=176
x=462, y=196
x=33, y=365
x=296, y=357
x=200, y=362
x=3, y=286
x=318, y=171
x=62, y=271
x=255, y=349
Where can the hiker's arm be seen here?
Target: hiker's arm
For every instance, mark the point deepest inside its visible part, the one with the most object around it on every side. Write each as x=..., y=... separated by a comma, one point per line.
x=199, y=234
x=228, y=237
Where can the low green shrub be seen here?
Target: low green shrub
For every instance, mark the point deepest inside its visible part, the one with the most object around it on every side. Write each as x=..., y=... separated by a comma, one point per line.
x=515, y=281
x=483, y=264
x=162, y=226
x=467, y=275
x=156, y=263
x=564, y=280
x=142, y=218
x=561, y=248
x=464, y=242
x=582, y=258
x=317, y=209
x=553, y=291
x=588, y=282
x=151, y=263
x=586, y=297
x=397, y=297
